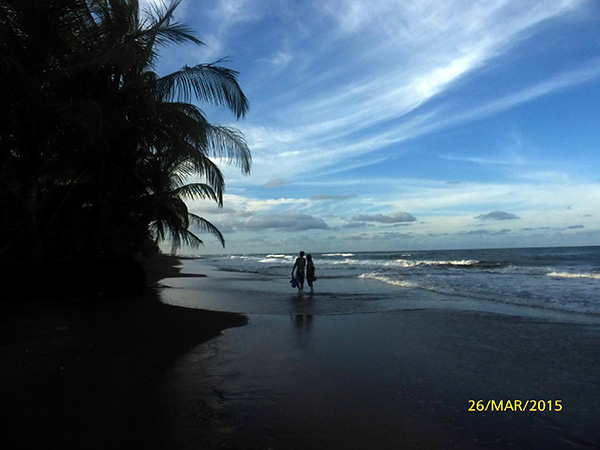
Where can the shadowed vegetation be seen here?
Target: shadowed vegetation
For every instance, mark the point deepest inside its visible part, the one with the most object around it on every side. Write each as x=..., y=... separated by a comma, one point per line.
x=96, y=149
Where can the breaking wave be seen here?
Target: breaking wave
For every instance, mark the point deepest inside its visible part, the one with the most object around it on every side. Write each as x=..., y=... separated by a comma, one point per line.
x=388, y=280
x=593, y=276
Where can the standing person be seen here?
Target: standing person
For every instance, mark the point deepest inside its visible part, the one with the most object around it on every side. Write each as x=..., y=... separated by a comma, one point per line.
x=299, y=266
x=310, y=272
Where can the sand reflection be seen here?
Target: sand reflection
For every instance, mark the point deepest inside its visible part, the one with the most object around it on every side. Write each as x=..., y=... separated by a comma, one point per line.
x=302, y=312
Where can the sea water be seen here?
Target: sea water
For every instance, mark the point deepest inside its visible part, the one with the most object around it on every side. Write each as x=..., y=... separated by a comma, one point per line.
x=387, y=353
x=515, y=281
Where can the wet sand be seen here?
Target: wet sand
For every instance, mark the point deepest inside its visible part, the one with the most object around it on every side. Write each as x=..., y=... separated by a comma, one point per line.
x=142, y=374
x=304, y=379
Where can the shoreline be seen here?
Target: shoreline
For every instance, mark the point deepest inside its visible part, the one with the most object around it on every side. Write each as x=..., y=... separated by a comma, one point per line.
x=85, y=371
x=300, y=378
x=136, y=372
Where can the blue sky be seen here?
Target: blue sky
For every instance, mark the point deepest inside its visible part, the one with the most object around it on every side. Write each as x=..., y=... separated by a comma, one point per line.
x=393, y=125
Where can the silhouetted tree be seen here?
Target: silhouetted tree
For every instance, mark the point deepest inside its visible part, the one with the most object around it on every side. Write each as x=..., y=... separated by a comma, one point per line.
x=94, y=145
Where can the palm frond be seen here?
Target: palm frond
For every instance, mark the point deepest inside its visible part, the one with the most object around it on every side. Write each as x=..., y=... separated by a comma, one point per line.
x=192, y=191
x=207, y=169
x=188, y=110
x=178, y=238
x=180, y=122
x=174, y=225
x=87, y=114
x=200, y=166
x=205, y=226
x=186, y=237
x=162, y=32
x=176, y=33
x=229, y=143
x=205, y=82
x=120, y=56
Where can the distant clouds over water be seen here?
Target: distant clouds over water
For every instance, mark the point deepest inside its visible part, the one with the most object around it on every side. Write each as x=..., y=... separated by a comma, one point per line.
x=381, y=218
x=497, y=215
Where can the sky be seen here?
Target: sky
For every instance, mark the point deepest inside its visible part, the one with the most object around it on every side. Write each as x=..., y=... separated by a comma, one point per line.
x=392, y=125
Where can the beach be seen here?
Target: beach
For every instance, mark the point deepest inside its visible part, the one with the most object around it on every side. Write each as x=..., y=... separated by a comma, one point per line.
x=291, y=372
x=84, y=371
x=300, y=376
x=398, y=380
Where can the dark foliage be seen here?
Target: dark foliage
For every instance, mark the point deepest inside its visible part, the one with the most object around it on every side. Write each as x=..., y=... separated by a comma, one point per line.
x=96, y=148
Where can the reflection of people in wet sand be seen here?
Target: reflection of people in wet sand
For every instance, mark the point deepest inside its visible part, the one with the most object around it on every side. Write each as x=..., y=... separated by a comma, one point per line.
x=302, y=321
x=299, y=266
x=310, y=272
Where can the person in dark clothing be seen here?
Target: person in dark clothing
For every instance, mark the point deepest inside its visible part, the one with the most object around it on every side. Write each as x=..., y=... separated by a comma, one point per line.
x=310, y=272
x=299, y=267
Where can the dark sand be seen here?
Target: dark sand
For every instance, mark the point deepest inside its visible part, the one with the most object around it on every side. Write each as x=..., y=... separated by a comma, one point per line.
x=394, y=381
x=136, y=373
x=302, y=379
x=84, y=373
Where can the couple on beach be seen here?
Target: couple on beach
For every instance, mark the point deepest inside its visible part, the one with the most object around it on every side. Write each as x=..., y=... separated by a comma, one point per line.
x=301, y=266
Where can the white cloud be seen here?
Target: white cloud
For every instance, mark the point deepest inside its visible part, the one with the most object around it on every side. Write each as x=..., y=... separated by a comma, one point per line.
x=281, y=59
x=231, y=12
x=284, y=222
x=507, y=158
x=556, y=83
x=212, y=50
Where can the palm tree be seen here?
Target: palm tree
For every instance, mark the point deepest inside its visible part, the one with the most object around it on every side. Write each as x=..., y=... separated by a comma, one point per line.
x=91, y=129
x=34, y=51
x=167, y=125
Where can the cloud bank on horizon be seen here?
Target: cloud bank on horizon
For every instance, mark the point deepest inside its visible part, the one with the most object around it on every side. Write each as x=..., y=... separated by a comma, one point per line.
x=408, y=125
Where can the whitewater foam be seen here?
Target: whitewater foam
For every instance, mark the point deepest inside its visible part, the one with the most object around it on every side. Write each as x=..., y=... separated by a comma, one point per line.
x=388, y=280
x=593, y=276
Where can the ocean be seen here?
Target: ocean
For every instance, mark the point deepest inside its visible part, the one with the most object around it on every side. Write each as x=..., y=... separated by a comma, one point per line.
x=392, y=347
x=550, y=282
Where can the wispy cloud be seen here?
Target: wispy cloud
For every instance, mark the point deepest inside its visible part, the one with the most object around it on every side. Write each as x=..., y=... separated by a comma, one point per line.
x=557, y=83
x=505, y=158
x=212, y=50
x=231, y=12
x=384, y=94
x=432, y=46
x=281, y=59
x=333, y=196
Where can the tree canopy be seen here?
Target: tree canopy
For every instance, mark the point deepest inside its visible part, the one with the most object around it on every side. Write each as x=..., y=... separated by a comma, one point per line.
x=96, y=149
